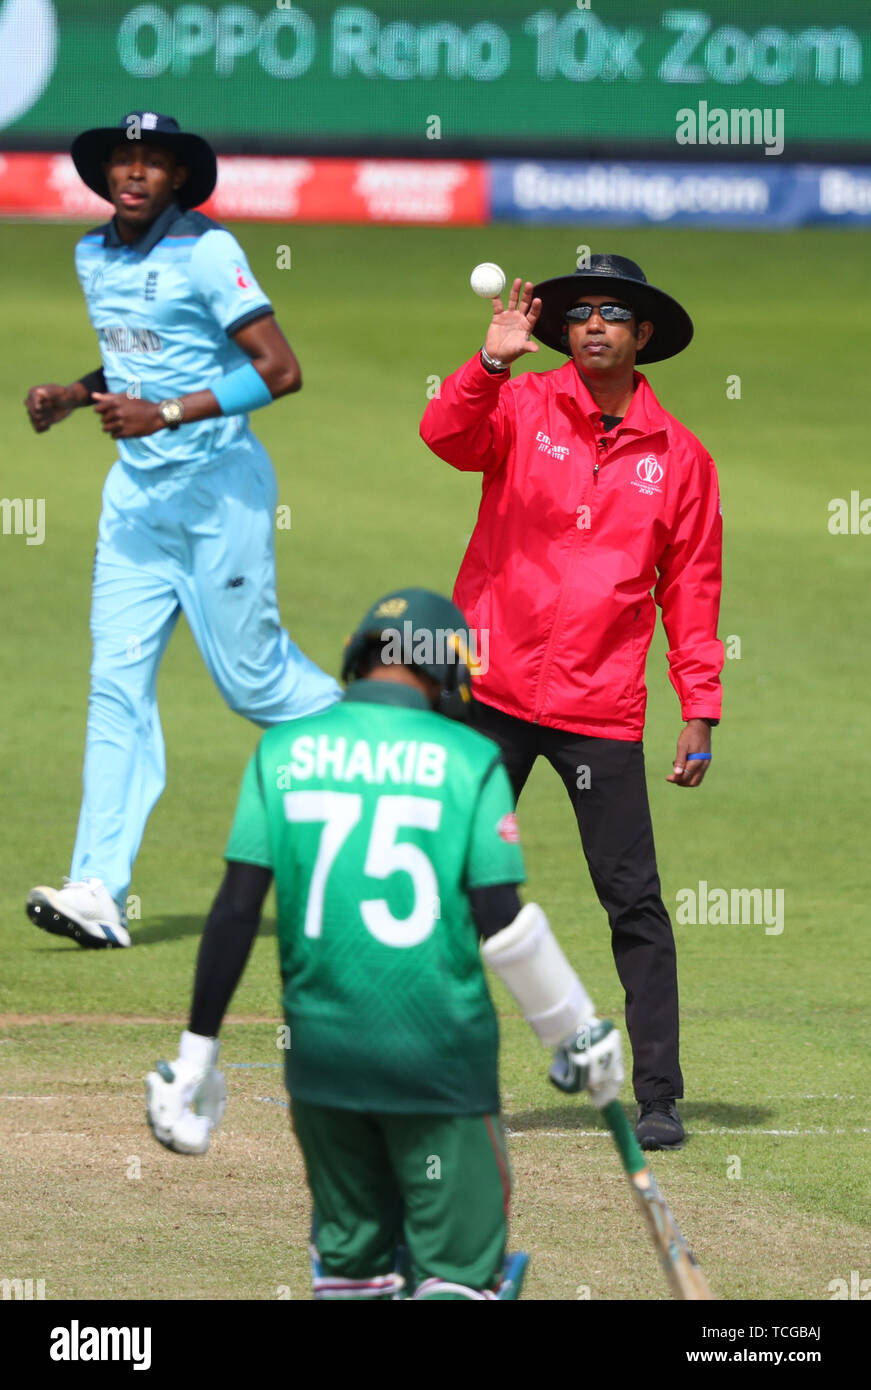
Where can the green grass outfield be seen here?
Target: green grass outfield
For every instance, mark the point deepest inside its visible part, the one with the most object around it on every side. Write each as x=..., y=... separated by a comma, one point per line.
x=772, y=1188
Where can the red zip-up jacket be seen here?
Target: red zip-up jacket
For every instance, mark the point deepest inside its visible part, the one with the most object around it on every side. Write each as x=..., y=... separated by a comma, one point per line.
x=577, y=532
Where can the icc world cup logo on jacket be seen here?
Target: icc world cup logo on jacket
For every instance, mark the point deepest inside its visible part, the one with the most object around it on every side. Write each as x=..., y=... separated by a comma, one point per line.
x=648, y=473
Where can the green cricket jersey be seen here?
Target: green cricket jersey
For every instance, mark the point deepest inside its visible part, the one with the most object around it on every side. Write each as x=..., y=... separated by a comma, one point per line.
x=376, y=817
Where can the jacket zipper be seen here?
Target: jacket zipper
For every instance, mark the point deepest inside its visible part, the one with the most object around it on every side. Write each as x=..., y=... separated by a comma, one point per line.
x=548, y=655
x=602, y=445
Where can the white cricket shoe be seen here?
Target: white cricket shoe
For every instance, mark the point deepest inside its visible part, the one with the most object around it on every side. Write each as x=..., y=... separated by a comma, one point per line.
x=85, y=911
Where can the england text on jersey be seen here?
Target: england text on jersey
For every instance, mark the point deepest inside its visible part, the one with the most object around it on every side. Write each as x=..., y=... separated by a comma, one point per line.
x=119, y=338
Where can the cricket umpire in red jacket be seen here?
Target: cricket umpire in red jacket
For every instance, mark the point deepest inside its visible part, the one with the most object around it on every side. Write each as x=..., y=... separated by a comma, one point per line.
x=596, y=506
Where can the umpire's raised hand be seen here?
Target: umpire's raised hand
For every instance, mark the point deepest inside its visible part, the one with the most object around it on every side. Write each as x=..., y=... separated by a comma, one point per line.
x=508, y=334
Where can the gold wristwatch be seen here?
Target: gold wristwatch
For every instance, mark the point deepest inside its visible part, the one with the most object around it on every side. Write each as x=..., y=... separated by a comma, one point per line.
x=172, y=412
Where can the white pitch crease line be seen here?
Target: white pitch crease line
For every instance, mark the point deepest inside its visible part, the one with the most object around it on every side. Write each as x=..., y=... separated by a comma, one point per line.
x=820, y=1130
x=692, y=1133
x=37, y=1098
x=819, y=1095
x=604, y=1134
x=511, y=1133
x=76, y=1095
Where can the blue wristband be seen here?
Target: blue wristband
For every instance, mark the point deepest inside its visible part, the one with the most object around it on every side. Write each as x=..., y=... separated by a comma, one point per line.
x=698, y=757
x=241, y=391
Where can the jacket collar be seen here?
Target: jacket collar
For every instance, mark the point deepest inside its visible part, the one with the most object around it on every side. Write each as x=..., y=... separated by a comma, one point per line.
x=644, y=416
x=150, y=237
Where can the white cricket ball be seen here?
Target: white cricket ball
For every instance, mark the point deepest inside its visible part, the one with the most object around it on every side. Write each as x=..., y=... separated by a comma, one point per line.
x=487, y=280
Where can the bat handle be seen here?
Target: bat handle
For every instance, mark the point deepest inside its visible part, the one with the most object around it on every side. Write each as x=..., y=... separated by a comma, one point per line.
x=631, y=1155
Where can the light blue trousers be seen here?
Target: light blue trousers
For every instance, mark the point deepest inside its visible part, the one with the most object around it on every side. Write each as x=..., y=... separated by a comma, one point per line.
x=199, y=542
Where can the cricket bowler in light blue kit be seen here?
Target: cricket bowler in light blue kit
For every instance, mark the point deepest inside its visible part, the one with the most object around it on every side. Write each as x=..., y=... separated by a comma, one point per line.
x=189, y=346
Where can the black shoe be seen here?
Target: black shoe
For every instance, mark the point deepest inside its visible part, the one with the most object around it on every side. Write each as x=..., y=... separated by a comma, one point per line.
x=658, y=1125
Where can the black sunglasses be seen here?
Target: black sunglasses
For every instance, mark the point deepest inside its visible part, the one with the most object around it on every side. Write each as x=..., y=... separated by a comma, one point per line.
x=611, y=313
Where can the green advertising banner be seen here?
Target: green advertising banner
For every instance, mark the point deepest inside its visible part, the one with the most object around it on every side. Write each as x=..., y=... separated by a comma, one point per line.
x=500, y=74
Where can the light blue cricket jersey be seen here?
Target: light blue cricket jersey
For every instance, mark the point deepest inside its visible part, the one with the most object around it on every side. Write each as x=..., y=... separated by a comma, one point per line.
x=163, y=308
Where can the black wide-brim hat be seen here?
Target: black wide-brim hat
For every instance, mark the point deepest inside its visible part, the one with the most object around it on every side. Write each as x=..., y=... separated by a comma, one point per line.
x=91, y=149
x=617, y=275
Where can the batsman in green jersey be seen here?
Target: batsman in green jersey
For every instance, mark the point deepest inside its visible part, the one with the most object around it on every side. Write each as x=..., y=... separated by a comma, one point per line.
x=390, y=834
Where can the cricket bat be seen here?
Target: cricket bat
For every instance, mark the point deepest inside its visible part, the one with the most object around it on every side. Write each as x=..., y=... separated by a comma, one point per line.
x=685, y=1278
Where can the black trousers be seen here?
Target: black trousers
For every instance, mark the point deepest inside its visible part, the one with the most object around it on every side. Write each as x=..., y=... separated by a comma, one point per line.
x=605, y=781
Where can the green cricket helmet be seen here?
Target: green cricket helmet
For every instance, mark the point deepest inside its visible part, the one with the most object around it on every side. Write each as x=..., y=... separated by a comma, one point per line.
x=423, y=630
